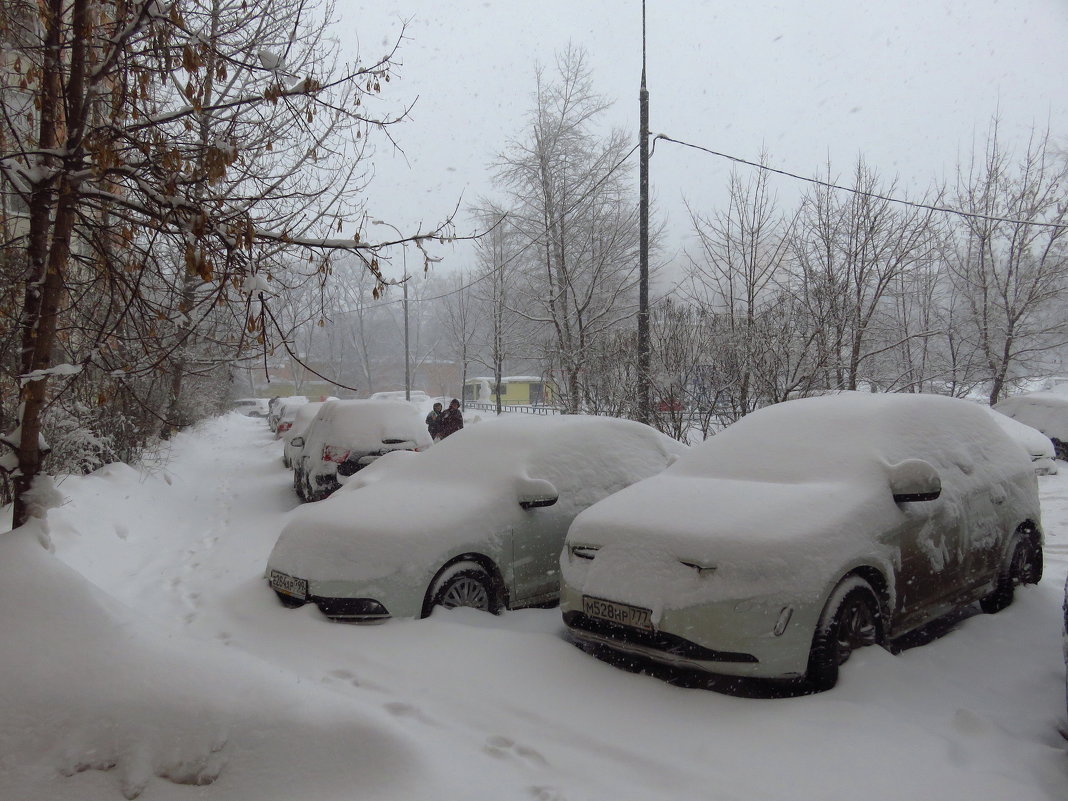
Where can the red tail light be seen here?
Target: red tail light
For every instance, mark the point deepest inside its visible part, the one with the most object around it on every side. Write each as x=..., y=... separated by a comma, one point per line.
x=284, y=427
x=336, y=455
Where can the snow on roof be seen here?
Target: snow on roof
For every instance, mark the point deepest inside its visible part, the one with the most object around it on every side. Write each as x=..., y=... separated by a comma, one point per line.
x=1030, y=438
x=364, y=424
x=1046, y=411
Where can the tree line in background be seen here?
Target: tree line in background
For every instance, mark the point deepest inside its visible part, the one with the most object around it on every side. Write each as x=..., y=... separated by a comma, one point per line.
x=182, y=207
x=842, y=289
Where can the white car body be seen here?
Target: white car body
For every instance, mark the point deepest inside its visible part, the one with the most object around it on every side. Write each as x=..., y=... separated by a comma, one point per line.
x=1038, y=446
x=278, y=407
x=347, y=435
x=376, y=548
x=251, y=407
x=301, y=419
x=1046, y=411
x=726, y=561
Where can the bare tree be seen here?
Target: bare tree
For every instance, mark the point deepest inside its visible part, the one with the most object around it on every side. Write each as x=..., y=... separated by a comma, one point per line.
x=572, y=205
x=1008, y=257
x=744, y=256
x=161, y=150
x=852, y=248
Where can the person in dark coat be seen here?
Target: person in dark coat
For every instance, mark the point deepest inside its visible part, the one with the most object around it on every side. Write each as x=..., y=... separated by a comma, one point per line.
x=451, y=420
x=433, y=424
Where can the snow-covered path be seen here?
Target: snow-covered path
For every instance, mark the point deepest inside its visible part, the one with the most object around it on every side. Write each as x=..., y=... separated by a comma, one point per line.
x=506, y=708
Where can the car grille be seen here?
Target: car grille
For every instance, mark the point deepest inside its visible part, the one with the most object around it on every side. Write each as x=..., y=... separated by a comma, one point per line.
x=657, y=640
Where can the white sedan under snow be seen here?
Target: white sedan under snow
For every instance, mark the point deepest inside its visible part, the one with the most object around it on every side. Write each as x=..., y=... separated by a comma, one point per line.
x=806, y=530
x=477, y=520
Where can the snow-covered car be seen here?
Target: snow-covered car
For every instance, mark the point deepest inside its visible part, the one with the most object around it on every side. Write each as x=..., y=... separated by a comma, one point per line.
x=876, y=515
x=478, y=520
x=1038, y=446
x=1046, y=411
x=302, y=418
x=278, y=407
x=251, y=407
x=287, y=415
x=347, y=435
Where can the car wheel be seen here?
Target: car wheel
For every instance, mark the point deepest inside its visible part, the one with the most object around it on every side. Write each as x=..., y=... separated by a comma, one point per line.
x=849, y=621
x=1024, y=567
x=298, y=485
x=463, y=584
x=289, y=601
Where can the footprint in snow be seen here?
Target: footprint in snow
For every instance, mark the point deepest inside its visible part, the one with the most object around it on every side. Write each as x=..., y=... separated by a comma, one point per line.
x=505, y=748
x=402, y=710
x=546, y=793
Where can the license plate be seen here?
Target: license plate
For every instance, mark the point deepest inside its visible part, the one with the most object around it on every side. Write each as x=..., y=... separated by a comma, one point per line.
x=297, y=587
x=614, y=612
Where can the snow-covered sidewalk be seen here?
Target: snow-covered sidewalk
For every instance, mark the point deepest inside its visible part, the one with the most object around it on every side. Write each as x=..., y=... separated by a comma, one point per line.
x=177, y=661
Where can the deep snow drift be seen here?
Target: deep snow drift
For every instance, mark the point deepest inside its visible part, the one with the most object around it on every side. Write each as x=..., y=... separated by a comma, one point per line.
x=148, y=656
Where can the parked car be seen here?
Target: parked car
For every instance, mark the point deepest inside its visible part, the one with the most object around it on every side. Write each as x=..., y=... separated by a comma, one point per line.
x=287, y=414
x=278, y=407
x=347, y=435
x=301, y=420
x=478, y=520
x=1038, y=446
x=804, y=531
x=1046, y=411
x=251, y=407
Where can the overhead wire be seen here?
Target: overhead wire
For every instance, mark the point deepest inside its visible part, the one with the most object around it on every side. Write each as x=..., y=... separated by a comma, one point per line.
x=737, y=160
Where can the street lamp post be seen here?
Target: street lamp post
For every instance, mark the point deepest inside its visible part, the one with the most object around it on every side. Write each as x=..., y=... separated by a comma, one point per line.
x=404, y=289
x=644, y=412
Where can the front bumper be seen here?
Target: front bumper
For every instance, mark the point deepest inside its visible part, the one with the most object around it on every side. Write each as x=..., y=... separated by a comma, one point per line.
x=734, y=637
x=357, y=601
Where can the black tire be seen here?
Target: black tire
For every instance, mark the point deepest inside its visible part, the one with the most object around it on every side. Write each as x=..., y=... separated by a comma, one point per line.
x=1023, y=567
x=463, y=584
x=298, y=485
x=849, y=621
x=289, y=601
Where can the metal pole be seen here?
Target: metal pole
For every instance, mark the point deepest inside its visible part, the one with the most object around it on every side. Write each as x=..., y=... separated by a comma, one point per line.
x=407, y=352
x=643, y=244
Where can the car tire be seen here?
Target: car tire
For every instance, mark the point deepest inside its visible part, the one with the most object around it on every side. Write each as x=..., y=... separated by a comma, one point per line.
x=849, y=621
x=289, y=601
x=463, y=584
x=1023, y=567
x=298, y=485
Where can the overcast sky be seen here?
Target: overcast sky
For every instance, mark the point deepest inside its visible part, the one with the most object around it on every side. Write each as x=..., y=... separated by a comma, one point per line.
x=907, y=83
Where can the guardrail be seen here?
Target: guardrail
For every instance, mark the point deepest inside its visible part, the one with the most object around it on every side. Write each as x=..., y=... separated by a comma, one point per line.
x=511, y=407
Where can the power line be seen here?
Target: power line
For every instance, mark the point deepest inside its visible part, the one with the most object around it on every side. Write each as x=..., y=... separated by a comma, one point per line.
x=861, y=192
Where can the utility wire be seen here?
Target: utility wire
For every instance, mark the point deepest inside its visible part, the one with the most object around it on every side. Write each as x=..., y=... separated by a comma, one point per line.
x=736, y=160
x=855, y=191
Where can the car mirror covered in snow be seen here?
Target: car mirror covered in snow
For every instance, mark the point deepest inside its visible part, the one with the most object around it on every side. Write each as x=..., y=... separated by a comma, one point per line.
x=297, y=442
x=535, y=492
x=914, y=480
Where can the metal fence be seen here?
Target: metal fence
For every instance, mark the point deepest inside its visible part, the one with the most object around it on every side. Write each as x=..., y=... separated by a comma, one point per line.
x=516, y=407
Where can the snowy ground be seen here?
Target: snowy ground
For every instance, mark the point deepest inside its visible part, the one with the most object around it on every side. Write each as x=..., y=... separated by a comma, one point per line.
x=175, y=660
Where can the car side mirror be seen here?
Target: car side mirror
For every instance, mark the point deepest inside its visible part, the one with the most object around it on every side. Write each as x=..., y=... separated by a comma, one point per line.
x=914, y=480
x=535, y=492
x=297, y=442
